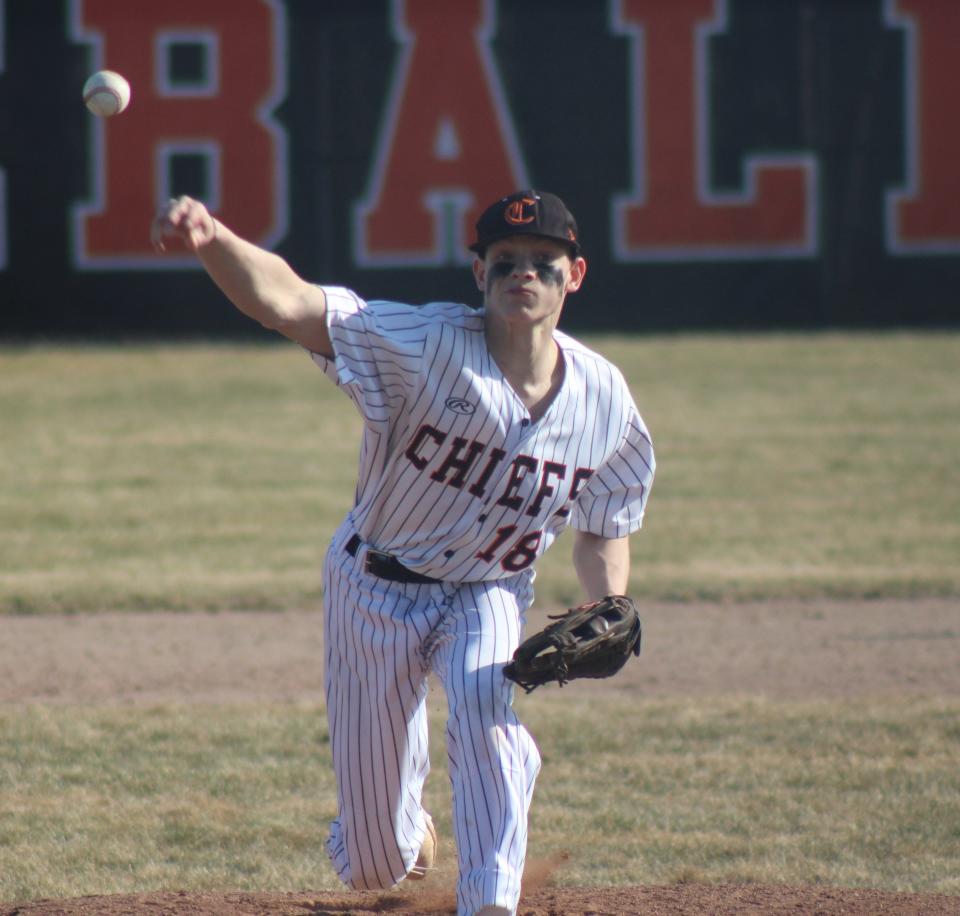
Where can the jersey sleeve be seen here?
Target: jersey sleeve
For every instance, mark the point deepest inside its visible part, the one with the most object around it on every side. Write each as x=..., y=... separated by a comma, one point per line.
x=613, y=501
x=378, y=349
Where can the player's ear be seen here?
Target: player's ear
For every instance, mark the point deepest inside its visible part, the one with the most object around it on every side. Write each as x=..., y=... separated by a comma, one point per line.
x=578, y=270
x=480, y=273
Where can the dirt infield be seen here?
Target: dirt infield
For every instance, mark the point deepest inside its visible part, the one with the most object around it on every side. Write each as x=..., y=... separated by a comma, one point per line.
x=685, y=899
x=782, y=651
x=787, y=650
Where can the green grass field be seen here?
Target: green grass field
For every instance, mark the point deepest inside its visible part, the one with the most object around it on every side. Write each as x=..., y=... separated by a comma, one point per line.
x=212, y=476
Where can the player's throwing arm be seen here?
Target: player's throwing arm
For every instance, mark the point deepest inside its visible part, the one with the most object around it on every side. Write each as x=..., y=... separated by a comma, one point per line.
x=259, y=283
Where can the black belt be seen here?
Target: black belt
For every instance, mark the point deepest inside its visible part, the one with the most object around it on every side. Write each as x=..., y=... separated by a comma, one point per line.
x=385, y=566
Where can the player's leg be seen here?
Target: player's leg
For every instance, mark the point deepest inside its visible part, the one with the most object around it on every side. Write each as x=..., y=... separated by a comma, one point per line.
x=493, y=760
x=376, y=687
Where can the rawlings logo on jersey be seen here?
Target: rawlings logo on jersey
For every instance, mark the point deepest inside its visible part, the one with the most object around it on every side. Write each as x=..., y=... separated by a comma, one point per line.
x=459, y=405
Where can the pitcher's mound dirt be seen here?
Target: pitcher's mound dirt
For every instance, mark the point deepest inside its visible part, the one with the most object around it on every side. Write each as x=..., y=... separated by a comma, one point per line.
x=699, y=899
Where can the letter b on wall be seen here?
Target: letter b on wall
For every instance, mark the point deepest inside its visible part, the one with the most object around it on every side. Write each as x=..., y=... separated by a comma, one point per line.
x=205, y=78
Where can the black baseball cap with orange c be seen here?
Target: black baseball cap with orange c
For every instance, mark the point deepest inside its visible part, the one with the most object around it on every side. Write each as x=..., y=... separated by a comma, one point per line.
x=527, y=213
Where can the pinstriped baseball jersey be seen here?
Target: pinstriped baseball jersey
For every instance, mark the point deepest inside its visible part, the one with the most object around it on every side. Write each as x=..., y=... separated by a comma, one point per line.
x=455, y=480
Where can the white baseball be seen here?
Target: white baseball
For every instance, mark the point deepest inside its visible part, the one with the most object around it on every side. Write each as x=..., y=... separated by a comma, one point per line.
x=106, y=93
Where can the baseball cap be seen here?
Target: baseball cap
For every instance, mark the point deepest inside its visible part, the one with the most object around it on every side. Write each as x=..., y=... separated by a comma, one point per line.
x=527, y=213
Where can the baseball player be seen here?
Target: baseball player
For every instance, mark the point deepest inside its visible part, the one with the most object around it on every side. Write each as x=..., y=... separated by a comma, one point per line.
x=486, y=432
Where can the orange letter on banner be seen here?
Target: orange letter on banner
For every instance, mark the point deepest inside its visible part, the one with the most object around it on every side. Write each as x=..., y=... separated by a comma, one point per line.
x=922, y=217
x=671, y=213
x=221, y=117
x=447, y=149
x=3, y=174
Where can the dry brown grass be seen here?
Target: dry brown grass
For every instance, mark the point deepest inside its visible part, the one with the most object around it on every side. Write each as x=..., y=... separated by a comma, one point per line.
x=116, y=799
x=212, y=476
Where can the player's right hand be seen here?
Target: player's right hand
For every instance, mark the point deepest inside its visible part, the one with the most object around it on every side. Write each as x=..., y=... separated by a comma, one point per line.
x=186, y=219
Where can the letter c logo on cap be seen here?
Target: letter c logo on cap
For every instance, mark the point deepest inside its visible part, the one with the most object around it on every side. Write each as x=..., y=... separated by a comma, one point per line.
x=514, y=213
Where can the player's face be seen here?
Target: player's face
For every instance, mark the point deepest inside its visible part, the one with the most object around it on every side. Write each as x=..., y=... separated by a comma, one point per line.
x=525, y=279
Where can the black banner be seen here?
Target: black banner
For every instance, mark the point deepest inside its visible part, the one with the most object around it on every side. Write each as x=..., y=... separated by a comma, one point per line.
x=732, y=163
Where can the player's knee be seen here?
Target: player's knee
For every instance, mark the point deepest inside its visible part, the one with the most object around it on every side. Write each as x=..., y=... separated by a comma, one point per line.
x=369, y=874
x=373, y=864
x=370, y=882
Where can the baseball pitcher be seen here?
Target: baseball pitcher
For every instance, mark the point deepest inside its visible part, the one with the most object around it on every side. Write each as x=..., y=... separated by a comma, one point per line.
x=486, y=432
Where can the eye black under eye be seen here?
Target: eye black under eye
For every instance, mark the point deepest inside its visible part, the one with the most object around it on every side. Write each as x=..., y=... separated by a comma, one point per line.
x=548, y=272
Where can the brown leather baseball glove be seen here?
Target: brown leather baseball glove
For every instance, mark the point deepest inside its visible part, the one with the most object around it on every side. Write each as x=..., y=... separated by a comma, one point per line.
x=593, y=640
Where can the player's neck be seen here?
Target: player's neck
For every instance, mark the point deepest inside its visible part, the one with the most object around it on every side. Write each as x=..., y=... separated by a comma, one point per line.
x=530, y=360
x=527, y=349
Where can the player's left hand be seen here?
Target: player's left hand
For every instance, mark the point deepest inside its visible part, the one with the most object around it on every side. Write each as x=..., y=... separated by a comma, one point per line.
x=592, y=640
x=186, y=219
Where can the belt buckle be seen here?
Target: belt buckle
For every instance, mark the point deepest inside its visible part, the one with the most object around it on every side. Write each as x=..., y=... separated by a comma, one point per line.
x=375, y=563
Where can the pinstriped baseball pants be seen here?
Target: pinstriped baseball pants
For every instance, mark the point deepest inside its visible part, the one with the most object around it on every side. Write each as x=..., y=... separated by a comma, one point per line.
x=382, y=640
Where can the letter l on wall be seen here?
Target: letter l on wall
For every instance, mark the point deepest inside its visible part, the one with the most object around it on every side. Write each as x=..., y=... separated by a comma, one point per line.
x=671, y=213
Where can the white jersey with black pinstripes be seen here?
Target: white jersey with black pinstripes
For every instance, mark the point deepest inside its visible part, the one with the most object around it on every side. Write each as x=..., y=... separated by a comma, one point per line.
x=454, y=479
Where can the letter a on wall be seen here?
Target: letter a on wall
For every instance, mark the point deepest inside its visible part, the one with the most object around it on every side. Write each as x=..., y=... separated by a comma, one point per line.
x=205, y=78
x=446, y=148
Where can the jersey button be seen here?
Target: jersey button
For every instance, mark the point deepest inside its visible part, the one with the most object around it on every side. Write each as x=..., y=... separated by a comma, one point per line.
x=525, y=421
x=481, y=518
x=449, y=553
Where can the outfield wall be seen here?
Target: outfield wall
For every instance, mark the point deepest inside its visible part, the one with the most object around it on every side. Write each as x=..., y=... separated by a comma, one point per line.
x=732, y=163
